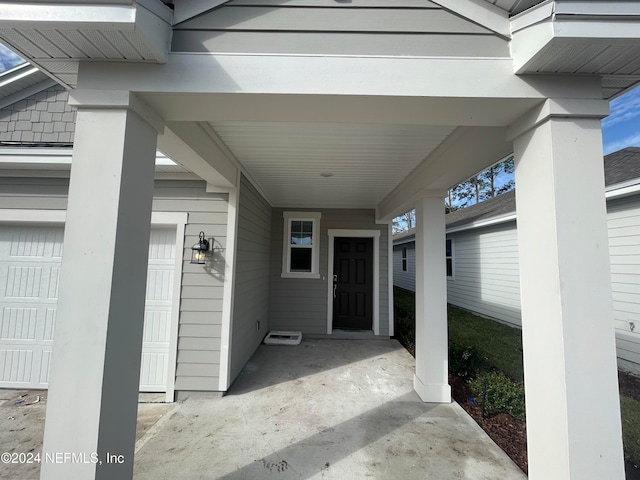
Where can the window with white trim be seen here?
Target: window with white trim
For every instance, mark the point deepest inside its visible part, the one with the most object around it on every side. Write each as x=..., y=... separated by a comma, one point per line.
x=449, y=257
x=301, y=252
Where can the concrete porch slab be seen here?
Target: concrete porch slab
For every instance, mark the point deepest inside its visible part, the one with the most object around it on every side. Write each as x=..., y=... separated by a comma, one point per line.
x=331, y=409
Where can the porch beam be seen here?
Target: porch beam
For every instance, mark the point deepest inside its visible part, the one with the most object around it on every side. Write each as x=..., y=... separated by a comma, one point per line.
x=432, y=367
x=463, y=154
x=94, y=378
x=567, y=313
x=444, y=77
x=191, y=145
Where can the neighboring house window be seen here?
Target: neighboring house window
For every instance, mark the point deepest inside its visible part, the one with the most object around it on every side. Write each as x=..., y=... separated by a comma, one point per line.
x=301, y=252
x=449, y=256
x=404, y=259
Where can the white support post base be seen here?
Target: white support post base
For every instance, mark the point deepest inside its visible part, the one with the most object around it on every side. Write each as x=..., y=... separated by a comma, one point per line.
x=94, y=379
x=431, y=377
x=573, y=410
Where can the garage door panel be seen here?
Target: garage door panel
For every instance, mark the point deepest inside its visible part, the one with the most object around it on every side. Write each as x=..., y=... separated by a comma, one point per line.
x=39, y=242
x=16, y=366
x=43, y=377
x=152, y=371
x=30, y=258
x=162, y=244
x=23, y=282
x=18, y=323
x=160, y=284
x=54, y=280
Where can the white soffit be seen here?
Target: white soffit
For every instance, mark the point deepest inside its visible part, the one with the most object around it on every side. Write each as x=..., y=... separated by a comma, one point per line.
x=361, y=163
x=579, y=37
x=514, y=7
x=57, y=36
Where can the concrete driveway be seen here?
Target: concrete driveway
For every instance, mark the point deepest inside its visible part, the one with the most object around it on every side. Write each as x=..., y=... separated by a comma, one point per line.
x=326, y=409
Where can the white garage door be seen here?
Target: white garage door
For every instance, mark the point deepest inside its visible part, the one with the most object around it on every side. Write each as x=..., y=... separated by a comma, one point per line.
x=30, y=259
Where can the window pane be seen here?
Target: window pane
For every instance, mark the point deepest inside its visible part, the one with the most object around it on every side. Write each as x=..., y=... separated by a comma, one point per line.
x=448, y=248
x=301, y=232
x=449, y=267
x=300, y=259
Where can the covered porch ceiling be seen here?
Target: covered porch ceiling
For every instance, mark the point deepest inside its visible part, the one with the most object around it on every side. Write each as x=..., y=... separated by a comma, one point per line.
x=328, y=164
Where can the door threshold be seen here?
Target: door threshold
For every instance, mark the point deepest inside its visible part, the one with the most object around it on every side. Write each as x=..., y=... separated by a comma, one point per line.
x=357, y=334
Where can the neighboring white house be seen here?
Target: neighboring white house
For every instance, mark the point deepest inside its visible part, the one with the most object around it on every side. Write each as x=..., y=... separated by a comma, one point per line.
x=484, y=245
x=304, y=127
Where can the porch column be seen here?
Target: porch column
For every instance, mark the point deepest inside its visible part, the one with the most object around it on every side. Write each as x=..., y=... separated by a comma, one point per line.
x=572, y=403
x=93, y=384
x=431, y=378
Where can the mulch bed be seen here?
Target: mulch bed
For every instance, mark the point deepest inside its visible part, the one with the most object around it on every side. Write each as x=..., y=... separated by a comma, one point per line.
x=510, y=434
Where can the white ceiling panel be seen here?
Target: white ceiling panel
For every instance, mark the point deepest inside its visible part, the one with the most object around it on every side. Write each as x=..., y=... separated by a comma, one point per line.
x=366, y=162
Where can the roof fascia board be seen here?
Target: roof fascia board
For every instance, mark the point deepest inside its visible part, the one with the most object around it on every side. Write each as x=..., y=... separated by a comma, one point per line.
x=402, y=241
x=484, y=223
x=624, y=189
x=186, y=9
x=599, y=9
x=15, y=74
x=614, y=191
x=76, y=16
x=479, y=11
x=53, y=156
x=532, y=16
x=27, y=92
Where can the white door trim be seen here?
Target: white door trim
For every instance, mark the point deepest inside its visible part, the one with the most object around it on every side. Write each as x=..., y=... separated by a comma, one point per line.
x=375, y=234
x=176, y=219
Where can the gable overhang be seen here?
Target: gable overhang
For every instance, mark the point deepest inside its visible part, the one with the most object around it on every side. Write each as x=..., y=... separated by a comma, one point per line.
x=580, y=38
x=57, y=36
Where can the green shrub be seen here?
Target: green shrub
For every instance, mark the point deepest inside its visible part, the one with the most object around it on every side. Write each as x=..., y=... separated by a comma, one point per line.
x=465, y=362
x=631, y=428
x=503, y=394
x=500, y=345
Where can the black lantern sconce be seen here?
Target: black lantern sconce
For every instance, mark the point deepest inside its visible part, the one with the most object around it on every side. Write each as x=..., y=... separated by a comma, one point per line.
x=199, y=250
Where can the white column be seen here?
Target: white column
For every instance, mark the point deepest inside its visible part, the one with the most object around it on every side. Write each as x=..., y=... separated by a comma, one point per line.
x=573, y=411
x=93, y=384
x=431, y=378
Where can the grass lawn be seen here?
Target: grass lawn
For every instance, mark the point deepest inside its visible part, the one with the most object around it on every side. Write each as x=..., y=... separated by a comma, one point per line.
x=498, y=347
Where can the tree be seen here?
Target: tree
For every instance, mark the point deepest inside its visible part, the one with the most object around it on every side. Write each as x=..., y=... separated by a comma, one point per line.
x=499, y=178
x=493, y=181
x=404, y=222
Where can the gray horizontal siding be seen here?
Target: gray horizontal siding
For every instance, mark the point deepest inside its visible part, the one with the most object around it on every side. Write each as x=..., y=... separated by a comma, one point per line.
x=624, y=247
x=301, y=304
x=251, y=290
x=363, y=27
x=486, y=277
x=198, y=360
x=487, y=274
x=405, y=279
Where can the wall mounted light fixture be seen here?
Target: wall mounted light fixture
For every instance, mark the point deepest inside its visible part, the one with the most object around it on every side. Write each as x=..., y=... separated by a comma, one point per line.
x=199, y=250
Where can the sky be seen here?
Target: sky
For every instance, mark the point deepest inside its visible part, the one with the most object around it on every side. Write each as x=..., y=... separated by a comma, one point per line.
x=8, y=59
x=619, y=130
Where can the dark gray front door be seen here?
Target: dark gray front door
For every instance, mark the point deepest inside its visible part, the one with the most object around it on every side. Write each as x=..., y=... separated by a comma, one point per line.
x=353, y=284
